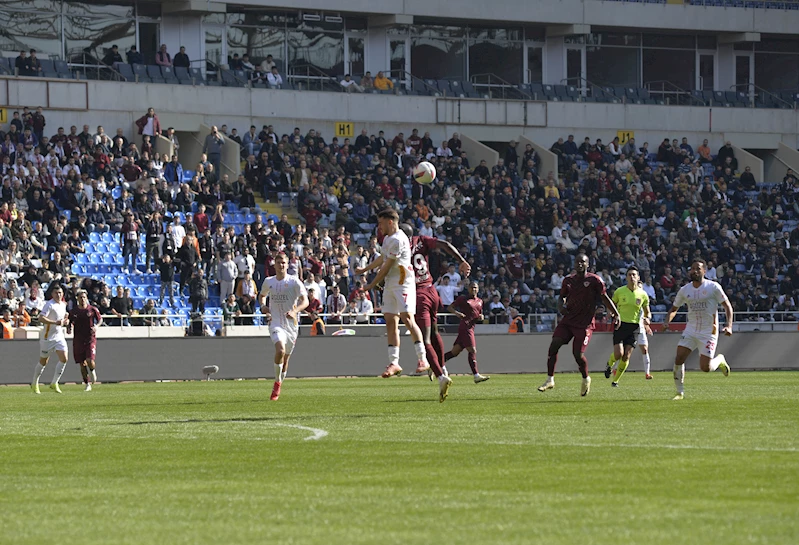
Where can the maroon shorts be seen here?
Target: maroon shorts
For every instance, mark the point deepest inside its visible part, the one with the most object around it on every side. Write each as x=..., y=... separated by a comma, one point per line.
x=581, y=336
x=84, y=351
x=427, y=303
x=465, y=337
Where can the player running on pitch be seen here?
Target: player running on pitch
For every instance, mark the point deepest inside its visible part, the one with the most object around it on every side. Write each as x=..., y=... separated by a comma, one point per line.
x=54, y=317
x=427, y=299
x=287, y=298
x=633, y=305
x=470, y=311
x=702, y=330
x=399, y=293
x=85, y=318
x=579, y=295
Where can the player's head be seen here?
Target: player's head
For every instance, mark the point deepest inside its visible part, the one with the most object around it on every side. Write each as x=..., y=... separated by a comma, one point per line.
x=57, y=294
x=407, y=229
x=474, y=287
x=581, y=263
x=633, y=277
x=698, y=268
x=387, y=220
x=83, y=298
x=281, y=263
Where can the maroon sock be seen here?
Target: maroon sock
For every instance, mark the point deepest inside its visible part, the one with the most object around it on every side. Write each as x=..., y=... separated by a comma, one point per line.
x=448, y=356
x=552, y=359
x=432, y=359
x=438, y=344
x=582, y=363
x=473, y=362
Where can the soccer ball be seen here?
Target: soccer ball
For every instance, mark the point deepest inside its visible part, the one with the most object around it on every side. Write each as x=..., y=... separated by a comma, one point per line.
x=424, y=173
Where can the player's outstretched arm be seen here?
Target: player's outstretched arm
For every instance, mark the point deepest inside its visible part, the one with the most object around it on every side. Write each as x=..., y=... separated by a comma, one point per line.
x=370, y=267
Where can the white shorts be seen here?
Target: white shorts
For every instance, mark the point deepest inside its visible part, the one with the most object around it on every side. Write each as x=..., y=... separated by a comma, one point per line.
x=48, y=347
x=399, y=299
x=642, y=339
x=288, y=338
x=705, y=343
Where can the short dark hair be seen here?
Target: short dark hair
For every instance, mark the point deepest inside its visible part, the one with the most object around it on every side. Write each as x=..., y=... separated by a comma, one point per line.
x=699, y=260
x=388, y=213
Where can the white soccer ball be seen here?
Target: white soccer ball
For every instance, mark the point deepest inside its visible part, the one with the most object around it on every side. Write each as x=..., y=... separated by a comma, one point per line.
x=424, y=173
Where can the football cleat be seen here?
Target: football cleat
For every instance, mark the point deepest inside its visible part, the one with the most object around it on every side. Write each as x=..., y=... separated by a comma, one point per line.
x=648, y=376
x=724, y=366
x=678, y=397
x=585, y=388
x=548, y=385
x=54, y=387
x=444, y=384
x=88, y=387
x=391, y=370
x=608, y=371
x=275, y=392
x=614, y=384
x=430, y=374
x=422, y=367
x=35, y=388
x=478, y=378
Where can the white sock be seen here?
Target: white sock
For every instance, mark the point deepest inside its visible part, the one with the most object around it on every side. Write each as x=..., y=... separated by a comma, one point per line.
x=421, y=353
x=679, y=378
x=647, y=362
x=283, y=376
x=442, y=378
x=714, y=363
x=444, y=370
x=278, y=373
x=94, y=375
x=476, y=375
x=393, y=355
x=37, y=372
x=59, y=370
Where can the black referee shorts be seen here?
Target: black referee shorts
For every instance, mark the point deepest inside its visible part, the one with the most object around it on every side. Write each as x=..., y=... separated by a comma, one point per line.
x=627, y=334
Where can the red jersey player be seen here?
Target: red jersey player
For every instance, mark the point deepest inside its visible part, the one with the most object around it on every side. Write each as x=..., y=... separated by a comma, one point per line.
x=85, y=318
x=470, y=311
x=579, y=295
x=427, y=299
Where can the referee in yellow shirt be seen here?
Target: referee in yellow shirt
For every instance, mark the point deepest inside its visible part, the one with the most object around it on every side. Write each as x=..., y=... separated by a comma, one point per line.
x=633, y=303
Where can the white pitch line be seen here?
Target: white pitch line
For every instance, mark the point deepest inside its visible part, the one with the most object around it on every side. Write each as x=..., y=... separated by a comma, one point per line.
x=317, y=433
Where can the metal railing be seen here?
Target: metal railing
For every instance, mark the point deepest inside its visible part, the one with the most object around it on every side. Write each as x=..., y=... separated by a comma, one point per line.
x=758, y=95
x=412, y=83
x=496, y=87
x=90, y=67
x=309, y=77
x=585, y=87
x=672, y=94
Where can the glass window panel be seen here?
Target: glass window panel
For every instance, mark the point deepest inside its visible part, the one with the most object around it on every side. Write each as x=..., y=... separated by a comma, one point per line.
x=780, y=46
x=574, y=40
x=438, y=32
x=397, y=30
x=39, y=31
x=706, y=42
x=496, y=34
x=213, y=46
x=503, y=59
x=615, y=38
x=676, y=67
x=399, y=57
x=257, y=43
x=53, y=6
x=438, y=58
x=613, y=66
x=535, y=33
x=743, y=46
x=148, y=9
x=214, y=19
x=535, y=64
x=91, y=38
x=355, y=61
x=670, y=41
x=100, y=10
x=777, y=72
x=322, y=50
x=356, y=24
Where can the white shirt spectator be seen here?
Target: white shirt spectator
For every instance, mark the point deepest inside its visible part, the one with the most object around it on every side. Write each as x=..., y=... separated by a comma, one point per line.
x=275, y=80
x=622, y=167
x=443, y=152
x=426, y=231
x=711, y=274
x=364, y=308
x=244, y=263
x=556, y=281
x=178, y=234
x=336, y=304
x=650, y=290
x=448, y=293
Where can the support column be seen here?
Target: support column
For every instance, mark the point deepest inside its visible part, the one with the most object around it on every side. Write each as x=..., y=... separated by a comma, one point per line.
x=554, y=60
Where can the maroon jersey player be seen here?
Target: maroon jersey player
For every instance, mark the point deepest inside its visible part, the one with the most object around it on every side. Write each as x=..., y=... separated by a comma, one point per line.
x=470, y=311
x=85, y=319
x=579, y=295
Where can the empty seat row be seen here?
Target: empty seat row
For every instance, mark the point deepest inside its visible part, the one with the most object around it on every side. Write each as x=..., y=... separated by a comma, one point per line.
x=50, y=68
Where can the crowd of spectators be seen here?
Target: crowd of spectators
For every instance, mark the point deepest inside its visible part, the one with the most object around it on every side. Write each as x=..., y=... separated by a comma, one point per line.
x=622, y=205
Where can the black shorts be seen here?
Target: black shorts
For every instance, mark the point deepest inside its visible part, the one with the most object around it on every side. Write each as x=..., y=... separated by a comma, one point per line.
x=626, y=335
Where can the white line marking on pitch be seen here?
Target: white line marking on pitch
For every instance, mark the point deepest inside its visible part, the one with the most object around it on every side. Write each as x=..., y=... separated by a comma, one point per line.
x=317, y=433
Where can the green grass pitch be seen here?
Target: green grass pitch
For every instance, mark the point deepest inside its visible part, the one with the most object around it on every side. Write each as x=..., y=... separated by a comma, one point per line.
x=218, y=463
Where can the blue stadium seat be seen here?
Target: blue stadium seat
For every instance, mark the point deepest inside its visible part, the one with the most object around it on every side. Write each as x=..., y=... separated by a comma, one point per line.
x=127, y=72
x=94, y=237
x=141, y=72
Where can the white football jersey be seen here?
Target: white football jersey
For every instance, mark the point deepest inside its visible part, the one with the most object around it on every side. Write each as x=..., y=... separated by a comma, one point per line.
x=283, y=296
x=397, y=246
x=56, y=312
x=703, y=303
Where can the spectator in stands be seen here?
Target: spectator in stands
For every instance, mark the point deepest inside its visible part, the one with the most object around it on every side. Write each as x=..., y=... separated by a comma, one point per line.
x=173, y=171
x=162, y=58
x=112, y=57
x=133, y=56
x=20, y=316
x=726, y=152
x=21, y=67
x=336, y=305
x=213, y=147
x=121, y=307
x=274, y=79
x=349, y=85
x=266, y=66
x=166, y=269
x=368, y=83
x=198, y=291
x=382, y=83
x=130, y=244
x=181, y=59
x=6, y=324
x=149, y=124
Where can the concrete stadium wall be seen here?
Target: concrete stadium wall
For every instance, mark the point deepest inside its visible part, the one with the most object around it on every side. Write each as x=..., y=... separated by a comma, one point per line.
x=174, y=359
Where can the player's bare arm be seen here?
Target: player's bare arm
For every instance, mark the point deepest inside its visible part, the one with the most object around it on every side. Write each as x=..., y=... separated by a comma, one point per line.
x=452, y=310
x=727, y=329
x=670, y=316
x=449, y=249
x=299, y=307
x=382, y=273
x=370, y=267
x=611, y=306
x=647, y=319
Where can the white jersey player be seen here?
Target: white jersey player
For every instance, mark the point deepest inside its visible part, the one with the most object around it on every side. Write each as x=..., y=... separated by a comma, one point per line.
x=53, y=317
x=703, y=298
x=399, y=293
x=287, y=298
